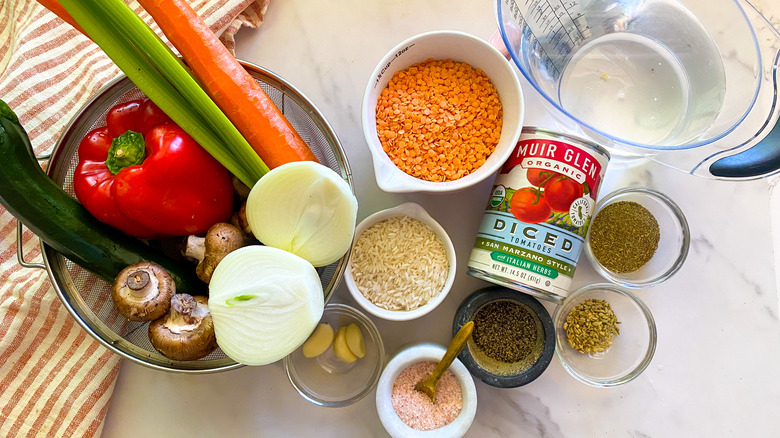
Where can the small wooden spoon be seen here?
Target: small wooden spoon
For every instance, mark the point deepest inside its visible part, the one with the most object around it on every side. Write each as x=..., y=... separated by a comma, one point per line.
x=428, y=386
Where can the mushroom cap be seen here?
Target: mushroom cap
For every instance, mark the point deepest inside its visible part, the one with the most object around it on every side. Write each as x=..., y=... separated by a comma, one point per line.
x=242, y=221
x=187, y=331
x=143, y=291
x=221, y=239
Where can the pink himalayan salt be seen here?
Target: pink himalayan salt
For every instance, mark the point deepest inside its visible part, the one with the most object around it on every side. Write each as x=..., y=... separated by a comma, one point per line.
x=415, y=408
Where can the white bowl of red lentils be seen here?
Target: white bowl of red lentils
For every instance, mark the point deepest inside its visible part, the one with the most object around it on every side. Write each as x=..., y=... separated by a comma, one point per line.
x=442, y=111
x=405, y=412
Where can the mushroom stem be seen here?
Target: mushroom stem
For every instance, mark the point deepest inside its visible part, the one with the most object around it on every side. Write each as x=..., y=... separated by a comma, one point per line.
x=221, y=239
x=143, y=291
x=187, y=331
x=141, y=286
x=195, y=248
x=137, y=280
x=183, y=310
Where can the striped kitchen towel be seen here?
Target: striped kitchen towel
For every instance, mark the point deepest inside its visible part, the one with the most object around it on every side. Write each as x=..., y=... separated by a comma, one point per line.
x=55, y=380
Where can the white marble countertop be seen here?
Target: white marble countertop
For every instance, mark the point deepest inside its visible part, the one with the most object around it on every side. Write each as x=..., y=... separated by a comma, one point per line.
x=714, y=371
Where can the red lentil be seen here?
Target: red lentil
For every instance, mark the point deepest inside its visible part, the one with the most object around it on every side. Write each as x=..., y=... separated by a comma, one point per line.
x=415, y=408
x=439, y=120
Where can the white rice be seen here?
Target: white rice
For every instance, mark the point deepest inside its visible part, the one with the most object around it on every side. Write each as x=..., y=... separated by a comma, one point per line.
x=399, y=263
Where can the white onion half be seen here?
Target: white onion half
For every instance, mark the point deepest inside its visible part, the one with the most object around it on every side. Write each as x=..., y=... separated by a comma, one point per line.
x=264, y=303
x=304, y=208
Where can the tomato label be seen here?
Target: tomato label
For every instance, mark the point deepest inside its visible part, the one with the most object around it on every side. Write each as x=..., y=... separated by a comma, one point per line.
x=538, y=214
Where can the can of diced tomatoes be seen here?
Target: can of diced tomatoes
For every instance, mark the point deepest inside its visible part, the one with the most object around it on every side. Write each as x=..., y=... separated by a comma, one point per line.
x=538, y=214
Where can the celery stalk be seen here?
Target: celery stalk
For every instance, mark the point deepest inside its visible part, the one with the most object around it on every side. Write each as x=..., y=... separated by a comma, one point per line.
x=161, y=56
x=133, y=47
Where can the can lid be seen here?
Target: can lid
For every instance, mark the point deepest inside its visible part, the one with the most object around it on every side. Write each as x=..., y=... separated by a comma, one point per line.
x=529, y=131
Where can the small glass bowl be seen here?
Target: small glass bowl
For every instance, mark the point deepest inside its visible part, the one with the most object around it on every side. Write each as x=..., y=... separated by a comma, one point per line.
x=415, y=211
x=423, y=352
x=631, y=350
x=673, y=245
x=496, y=373
x=325, y=380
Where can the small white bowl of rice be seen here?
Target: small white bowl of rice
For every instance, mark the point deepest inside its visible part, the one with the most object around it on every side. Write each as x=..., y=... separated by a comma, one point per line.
x=402, y=263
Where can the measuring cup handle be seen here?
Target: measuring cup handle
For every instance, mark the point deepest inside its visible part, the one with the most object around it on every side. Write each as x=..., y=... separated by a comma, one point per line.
x=760, y=160
x=763, y=158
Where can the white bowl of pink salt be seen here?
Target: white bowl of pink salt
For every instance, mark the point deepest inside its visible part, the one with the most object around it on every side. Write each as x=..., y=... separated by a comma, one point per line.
x=441, y=112
x=405, y=412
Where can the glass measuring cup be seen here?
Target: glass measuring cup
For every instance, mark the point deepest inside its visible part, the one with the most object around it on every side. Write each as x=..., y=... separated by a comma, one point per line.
x=685, y=82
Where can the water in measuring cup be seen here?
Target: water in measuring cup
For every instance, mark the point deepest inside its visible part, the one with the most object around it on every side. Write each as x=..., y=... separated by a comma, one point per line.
x=627, y=86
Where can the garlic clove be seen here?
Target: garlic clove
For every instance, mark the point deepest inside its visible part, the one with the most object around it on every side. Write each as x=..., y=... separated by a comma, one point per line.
x=340, y=347
x=319, y=341
x=355, y=341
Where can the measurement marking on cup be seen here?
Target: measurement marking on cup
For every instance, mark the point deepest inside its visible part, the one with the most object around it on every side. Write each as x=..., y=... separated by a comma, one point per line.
x=552, y=19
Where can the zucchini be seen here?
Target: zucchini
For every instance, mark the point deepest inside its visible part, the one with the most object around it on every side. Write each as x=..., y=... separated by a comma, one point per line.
x=63, y=223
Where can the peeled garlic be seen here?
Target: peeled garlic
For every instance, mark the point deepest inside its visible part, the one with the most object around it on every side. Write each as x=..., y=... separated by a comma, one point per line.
x=355, y=341
x=304, y=208
x=340, y=347
x=319, y=341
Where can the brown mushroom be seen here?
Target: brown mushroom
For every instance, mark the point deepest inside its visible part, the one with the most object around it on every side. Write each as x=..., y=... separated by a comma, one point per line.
x=240, y=221
x=241, y=189
x=221, y=239
x=186, y=332
x=143, y=291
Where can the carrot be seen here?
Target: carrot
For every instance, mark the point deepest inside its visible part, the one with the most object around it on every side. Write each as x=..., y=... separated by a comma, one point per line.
x=163, y=77
x=56, y=7
x=235, y=91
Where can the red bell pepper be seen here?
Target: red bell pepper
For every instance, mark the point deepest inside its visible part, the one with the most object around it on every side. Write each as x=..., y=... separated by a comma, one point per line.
x=144, y=175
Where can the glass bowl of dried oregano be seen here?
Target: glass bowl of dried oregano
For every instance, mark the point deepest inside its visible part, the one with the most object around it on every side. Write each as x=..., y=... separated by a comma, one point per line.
x=605, y=335
x=638, y=237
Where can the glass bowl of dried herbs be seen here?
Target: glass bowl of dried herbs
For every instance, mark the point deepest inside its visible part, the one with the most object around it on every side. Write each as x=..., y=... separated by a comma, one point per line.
x=605, y=335
x=638, y=237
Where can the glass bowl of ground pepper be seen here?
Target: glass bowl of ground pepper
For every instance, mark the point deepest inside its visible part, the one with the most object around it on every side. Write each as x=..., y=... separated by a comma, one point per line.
x=442, y=111
x=605, y=335
x=638, y=237
x=513, y=340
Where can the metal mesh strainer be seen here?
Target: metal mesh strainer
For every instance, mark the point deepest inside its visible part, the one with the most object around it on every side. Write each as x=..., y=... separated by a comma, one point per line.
x=88, y=298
